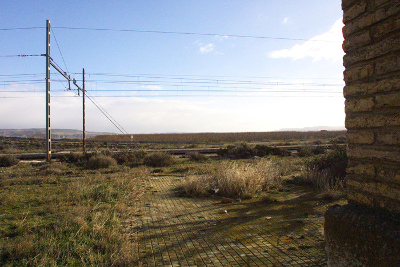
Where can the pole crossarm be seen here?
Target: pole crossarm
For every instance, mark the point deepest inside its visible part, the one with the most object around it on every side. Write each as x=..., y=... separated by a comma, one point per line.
x=59, y=70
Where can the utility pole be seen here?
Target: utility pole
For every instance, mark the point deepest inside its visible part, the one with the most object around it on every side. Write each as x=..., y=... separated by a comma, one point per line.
x=49, y=64
x=83, y=115
x=48, y=133
x=83, y=102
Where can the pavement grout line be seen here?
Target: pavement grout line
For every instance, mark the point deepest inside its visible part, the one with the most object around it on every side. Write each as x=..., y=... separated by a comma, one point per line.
x=186, y=232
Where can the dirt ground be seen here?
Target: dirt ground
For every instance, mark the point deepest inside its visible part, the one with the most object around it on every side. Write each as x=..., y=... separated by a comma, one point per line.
x=285, y=229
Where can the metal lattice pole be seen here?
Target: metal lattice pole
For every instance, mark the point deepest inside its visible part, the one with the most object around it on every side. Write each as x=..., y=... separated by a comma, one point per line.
x=48, y=129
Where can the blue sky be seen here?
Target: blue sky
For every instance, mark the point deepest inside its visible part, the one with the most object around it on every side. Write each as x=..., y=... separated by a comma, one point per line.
x=175, y=66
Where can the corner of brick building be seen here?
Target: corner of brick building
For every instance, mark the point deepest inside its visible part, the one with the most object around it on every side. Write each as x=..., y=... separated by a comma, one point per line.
x=366, y=232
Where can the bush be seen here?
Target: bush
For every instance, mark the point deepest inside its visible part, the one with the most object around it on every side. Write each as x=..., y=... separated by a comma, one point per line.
x=196, y=156
x=8, y=161
x=74, y=158
x=159, y=159
x=132, y=159
x=233, y=179
x=310, y=151
x=244, y=151
x=327, y=172
x=101, y=161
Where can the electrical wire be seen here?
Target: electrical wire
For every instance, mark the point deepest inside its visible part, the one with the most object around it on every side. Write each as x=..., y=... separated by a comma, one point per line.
x=175, y=32
x=195, y=33
x=107, y=115
x=55, y=38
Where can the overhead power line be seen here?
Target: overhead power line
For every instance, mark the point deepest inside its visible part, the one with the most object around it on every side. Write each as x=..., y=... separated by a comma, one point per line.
x=107, y=115
x=177, y=33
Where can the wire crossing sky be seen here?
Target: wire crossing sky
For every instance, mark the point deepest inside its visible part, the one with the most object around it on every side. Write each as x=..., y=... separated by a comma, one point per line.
x=174, y=66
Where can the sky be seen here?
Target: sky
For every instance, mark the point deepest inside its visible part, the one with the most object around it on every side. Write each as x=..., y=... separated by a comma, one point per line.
x=177, y=66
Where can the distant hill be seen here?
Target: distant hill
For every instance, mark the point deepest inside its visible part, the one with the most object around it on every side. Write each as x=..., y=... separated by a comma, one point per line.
x=315, y=128
x=41, y=133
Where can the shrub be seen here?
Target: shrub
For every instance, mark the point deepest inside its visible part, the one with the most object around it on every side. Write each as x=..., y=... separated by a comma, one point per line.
x=196, y=156
x=74, y=158
x=233, y=179
x=159, y=159
x=327, y=172
x=263, y=151
x=101, y=161
x=244, y=151
x=310, y=151
x=132, y=159
x=8, y=161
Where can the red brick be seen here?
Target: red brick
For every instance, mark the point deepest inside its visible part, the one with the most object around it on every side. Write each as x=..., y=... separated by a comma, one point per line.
x=376, y=188
x=382, y=86
x=390, y=44
x=387, y=64
x=359, y=152
x=357, y=105
x=358, y=73
x=388, y=174
x=383, y=29
x=389, y=137
x=362, y=169
x=388, y=100
x=360, y=137
x=354, y=11
x=356, y=41
x=372, y=120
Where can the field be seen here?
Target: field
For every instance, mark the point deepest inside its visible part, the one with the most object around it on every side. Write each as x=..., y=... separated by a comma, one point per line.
x=78, y=210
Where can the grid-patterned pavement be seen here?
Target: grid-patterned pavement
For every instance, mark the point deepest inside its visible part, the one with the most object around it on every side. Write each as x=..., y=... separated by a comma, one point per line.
x=180, y=231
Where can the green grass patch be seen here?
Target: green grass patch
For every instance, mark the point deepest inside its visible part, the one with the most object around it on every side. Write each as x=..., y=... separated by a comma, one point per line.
x=67, y=217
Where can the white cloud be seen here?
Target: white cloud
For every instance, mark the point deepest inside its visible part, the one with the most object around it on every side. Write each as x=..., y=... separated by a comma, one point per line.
x=206, y=48
x=325, y=46
x=285, y=20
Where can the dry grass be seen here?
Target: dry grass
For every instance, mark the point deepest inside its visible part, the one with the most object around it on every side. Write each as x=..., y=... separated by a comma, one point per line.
x=61, y=215
x=234, y=179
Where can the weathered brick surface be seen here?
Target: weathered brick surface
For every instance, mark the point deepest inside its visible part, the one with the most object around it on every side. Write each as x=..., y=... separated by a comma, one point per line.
x=372, y=120
x=357, y=105
x=360, y=137
x=388, y=174
x=388, y=64
x=356, y=53
x=358, y=73
x=354, y=11
x=361, y=152
x=356, y=41
x=362, y=168
x=356, y=234
x=385, y=190
x=388, y=100
x=382, y=29
x=371, y=88
x=389, y=137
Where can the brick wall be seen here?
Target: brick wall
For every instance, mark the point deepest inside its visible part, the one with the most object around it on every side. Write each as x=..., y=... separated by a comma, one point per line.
x=372, y=93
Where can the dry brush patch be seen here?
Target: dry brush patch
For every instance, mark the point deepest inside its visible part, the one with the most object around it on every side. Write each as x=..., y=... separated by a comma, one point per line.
x=235, y=179
x=72, y=217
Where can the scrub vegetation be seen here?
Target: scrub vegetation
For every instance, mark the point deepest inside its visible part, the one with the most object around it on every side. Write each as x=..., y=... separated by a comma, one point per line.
x=76, y=210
